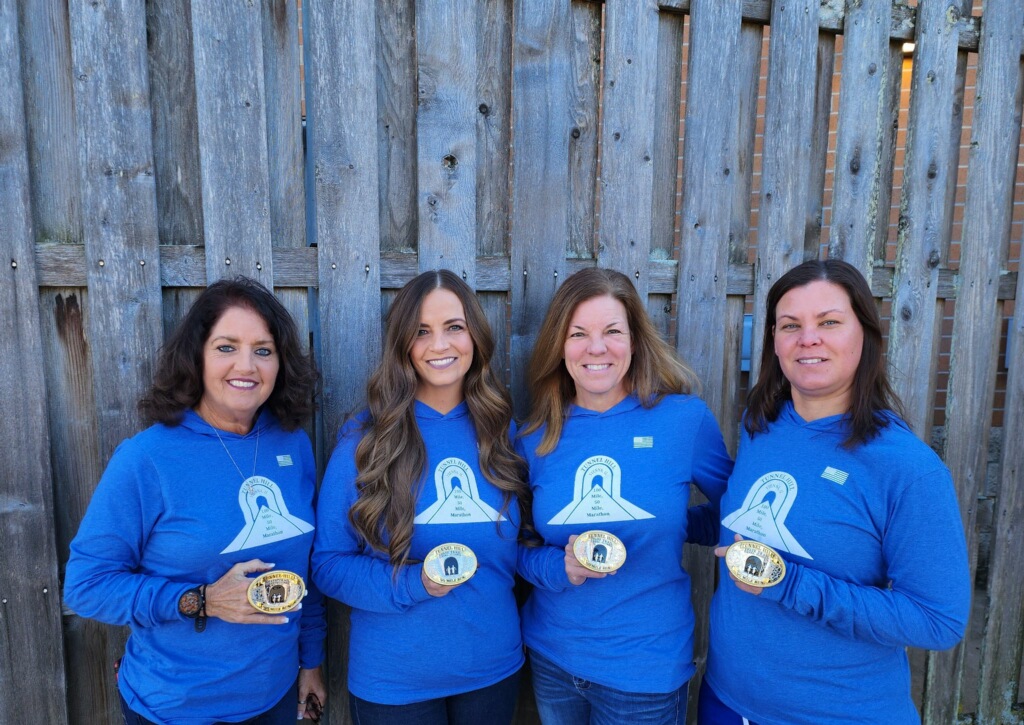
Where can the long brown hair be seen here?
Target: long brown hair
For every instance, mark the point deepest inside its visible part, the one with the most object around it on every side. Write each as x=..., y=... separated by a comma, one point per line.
x=391, y=455
x=655, y=369
x=871, y=393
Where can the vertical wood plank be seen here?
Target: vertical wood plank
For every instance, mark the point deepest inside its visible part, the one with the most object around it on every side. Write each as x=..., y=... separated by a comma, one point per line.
x=49, y=110
x=343, y=148
x=31, y=642
x=446, y=135
x=710, y=158
x=819, y=144
x=788, y=132
x=493, y=126
x=227, y=40
x=584, y=108
x=988, y=213
x=863, y=121
x=554, y=91
x=396, y=126
x=627, y=138
x=123, y=321
x=922, y=239
x=175, y=132
x=666, y=145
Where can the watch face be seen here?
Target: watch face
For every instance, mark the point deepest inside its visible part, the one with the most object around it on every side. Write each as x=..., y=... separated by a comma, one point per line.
x=189, y=603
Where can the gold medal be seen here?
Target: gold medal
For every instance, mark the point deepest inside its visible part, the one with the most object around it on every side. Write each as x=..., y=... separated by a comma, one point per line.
x=449, y=564
x=599, y=551
x=276, y=591
x=754, y=563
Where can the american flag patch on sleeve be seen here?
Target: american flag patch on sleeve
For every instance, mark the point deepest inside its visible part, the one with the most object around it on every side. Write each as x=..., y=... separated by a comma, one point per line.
x=835, y=475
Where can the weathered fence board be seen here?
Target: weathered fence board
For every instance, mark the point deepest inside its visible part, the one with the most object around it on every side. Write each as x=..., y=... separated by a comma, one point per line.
x=930, y=160
x=861, y=196
x=788, y=131
x=995, y=140
x=172, y=94
x=627, y=137
x=227, y=42
x=820, y=123
x=31, y=640
x=554, y=101
x=446, y=135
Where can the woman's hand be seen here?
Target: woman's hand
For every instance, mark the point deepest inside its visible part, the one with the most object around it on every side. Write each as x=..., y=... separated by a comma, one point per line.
x=720, y=553
x=311, y=684
x=433, y=588
x=576, y=572
x=227, y=597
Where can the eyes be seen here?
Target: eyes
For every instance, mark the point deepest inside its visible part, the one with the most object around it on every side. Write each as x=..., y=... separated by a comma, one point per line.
x=261, y=351
x=452, y=328
x=794, y=326
x=580, y=335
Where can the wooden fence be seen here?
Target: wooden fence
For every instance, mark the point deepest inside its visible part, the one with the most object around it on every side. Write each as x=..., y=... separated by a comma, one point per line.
x=148, y=148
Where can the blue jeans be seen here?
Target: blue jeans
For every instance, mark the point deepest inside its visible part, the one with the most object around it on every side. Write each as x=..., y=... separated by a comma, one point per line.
x=492, y=704
x=712, y=711
x=564, y=699
x=283, y=713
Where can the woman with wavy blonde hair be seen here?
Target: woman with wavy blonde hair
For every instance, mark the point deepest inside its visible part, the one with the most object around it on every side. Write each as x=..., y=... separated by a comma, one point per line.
x=613, y=441
x=430, y=461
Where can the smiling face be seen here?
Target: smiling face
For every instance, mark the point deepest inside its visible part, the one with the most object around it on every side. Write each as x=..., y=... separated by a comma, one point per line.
x=598, y=352
x=818, y=340
x=442, y=350
x=240, y=364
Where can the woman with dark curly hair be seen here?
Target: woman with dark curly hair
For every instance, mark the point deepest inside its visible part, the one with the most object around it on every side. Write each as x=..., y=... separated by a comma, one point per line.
x=429, y=463
x=219, y=487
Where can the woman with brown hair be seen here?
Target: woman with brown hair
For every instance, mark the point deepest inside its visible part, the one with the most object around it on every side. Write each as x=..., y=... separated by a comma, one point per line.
x=218, y=487
x=429, y=462
x=613, y=441
x=861, y=513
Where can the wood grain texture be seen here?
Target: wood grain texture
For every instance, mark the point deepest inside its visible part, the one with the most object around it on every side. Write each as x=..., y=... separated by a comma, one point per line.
x=922, y=239
x=30, y=626
x=788, y=131
x=977, y=320
x=227, y=42
x=813, y=221
x=396, y=125
x=863, y=123
x=446, y=123
x=46, y=78
x=175, y=131
x=627, y=137
x=493, y=126
x=554, y=91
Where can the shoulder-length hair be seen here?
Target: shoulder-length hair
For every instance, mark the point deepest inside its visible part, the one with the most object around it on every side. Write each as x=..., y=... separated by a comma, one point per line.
x=654, y=371
x=871, y=393
x=391, y=455
x=178, y=382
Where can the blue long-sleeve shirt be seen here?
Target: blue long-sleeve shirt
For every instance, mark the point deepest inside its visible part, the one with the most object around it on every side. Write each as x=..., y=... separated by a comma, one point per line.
x=405, y=645
x=172, y=512
x=875, y=562
x=627, y=471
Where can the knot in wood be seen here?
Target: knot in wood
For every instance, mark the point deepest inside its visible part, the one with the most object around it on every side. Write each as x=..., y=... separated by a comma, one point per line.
x=449, y=162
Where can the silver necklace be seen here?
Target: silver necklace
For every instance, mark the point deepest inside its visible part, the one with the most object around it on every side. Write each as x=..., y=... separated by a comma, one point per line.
x=232, y=458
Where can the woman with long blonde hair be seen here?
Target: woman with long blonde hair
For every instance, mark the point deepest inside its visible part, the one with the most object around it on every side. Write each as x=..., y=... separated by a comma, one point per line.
x=613, y=441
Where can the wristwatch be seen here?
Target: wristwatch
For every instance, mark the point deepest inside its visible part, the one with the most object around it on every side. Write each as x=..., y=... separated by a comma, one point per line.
x=192, y=604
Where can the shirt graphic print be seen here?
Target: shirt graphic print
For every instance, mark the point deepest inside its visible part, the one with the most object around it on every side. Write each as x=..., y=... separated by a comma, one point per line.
x=266, y=515
x=762, y=516
x=458, y=497
x=597, y=495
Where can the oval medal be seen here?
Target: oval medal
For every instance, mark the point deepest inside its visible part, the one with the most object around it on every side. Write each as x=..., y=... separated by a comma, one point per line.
x=599, y=551
x=754, y=563
x=449, y=564
x=276, y=591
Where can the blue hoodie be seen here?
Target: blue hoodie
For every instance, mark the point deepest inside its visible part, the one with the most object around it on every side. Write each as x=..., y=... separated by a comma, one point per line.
x=875, y=562
x=628, y=471
x=171, y=512
x=406, y=646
